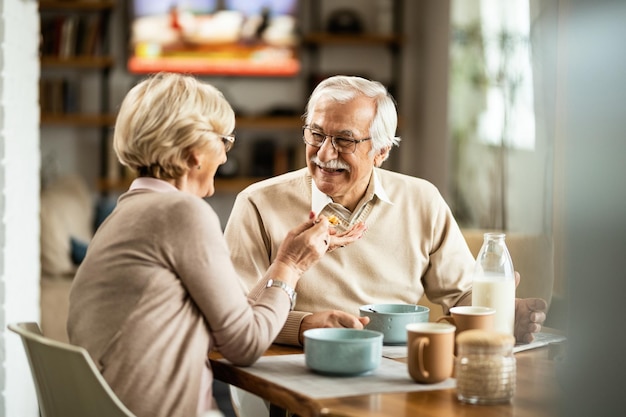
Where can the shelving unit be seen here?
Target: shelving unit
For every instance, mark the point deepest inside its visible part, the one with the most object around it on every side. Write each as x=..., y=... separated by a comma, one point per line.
x=392, y=39
x=226, y=185
x=79, y=120
x=313, y=42
x=75, y=40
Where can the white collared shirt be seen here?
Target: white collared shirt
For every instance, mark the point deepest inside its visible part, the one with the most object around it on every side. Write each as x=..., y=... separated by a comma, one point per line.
x=319, y=200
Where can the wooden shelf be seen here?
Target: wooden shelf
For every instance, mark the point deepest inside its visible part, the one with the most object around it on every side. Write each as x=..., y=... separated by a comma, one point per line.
x=243, y=122
x=78, y=62
x=269, y=122
x=365, y=39
x=77, y=5
x=222, y=185
x=234, y=185
x=85, y=120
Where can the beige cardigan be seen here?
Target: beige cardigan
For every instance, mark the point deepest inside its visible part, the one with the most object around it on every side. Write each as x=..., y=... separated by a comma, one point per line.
x=412, y=245
x=156, y=293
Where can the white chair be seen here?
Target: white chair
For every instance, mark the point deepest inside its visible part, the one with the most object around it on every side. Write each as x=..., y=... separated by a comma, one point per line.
x=246, y=404
x=67, y=381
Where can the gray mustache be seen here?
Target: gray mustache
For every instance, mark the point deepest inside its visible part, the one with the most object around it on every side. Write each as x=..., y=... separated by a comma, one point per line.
x=333, y=164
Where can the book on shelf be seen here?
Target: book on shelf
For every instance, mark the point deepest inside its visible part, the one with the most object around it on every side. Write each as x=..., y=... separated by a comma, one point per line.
x=72, y=35
x=59, y=96
x=67, y=41
x=91, y=42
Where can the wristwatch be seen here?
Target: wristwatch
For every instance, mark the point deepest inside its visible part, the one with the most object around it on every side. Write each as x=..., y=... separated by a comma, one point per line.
x=290, y=291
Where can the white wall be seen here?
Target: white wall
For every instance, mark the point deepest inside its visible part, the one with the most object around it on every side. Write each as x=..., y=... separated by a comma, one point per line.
x=19, y=198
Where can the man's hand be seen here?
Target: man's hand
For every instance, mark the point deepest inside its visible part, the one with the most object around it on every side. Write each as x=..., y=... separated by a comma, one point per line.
x=529, y=316
x=530, y=313
x=332, y=318
x=341, y=239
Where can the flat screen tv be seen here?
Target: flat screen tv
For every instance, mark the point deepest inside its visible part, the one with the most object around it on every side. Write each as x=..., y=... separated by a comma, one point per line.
x=214, y=37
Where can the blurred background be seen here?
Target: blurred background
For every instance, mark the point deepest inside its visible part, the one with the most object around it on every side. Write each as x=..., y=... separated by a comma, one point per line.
x=514, y=110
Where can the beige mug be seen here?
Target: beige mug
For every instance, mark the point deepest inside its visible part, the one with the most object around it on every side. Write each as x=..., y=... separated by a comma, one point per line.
x=431, y=351
x=469, y=318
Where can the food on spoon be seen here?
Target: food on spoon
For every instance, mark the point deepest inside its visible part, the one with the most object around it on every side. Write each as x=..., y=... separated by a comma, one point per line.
x=332, y=219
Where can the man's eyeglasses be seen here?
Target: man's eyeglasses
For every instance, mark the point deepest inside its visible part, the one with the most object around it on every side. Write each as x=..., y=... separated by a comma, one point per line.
x=342, y=145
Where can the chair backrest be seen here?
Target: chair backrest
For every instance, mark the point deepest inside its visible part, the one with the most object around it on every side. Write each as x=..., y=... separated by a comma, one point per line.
x=67, y=381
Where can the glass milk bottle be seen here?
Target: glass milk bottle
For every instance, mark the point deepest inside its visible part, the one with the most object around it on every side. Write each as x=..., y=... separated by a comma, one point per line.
x=494, y=281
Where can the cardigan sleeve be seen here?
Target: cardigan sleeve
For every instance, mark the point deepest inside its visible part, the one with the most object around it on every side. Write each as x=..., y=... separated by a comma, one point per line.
x=247, y=243
x=242, y=329
x=250, y=245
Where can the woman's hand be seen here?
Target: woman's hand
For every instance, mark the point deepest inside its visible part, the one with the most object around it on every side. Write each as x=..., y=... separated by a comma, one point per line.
x=305, y=244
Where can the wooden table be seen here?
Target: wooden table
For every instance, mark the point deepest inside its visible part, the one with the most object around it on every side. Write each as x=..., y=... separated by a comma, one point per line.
x=536, y=394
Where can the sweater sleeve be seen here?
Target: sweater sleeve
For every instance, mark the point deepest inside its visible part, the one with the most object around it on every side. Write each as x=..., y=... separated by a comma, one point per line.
x=447, y=281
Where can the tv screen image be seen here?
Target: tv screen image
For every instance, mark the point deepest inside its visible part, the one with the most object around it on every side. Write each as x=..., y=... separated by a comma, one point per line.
x=228, y=37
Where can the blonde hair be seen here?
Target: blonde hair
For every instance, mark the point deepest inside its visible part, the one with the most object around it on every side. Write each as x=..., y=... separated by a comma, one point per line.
x=166, y=116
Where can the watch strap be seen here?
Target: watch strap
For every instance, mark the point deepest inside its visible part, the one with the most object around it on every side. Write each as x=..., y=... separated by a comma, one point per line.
x=288, y=290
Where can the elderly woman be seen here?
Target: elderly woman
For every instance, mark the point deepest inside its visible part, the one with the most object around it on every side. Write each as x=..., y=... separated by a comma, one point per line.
x=157, y=290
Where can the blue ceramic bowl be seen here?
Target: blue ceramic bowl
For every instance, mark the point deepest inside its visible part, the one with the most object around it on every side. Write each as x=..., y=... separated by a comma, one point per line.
x=337, y=351
x=391, y=319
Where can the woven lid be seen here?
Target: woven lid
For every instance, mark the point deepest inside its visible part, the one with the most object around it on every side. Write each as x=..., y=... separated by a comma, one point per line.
x=485, y=338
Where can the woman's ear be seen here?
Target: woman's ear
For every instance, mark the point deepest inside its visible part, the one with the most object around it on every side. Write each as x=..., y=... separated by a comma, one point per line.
x=193, y=160
x=381, y=156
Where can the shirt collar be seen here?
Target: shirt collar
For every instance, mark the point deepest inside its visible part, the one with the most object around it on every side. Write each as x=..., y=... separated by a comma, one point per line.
x=379, y=190
x=152, y=184
x=319, y=200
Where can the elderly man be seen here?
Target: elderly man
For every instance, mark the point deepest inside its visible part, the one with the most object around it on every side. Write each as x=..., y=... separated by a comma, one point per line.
x=412, y=244
x=395, y=237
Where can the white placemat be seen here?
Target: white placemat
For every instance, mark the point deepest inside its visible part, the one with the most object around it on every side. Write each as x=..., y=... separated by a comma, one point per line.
x=291, y=372
x=541, y=339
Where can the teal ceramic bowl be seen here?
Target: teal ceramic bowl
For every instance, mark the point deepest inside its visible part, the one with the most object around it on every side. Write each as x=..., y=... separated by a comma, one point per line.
x=337, y=351
x=391, y=319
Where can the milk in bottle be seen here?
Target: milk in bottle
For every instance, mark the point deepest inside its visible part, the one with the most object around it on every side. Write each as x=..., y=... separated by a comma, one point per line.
x=494, y=281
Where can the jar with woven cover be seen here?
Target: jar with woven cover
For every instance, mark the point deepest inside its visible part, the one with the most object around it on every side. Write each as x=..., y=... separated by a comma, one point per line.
x=485, y=367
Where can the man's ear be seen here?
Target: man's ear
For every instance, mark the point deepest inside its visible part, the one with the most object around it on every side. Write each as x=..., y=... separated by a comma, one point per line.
x=381, y=156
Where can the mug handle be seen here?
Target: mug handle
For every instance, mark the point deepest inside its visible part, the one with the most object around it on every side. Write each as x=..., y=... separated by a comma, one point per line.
x=421, y=342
